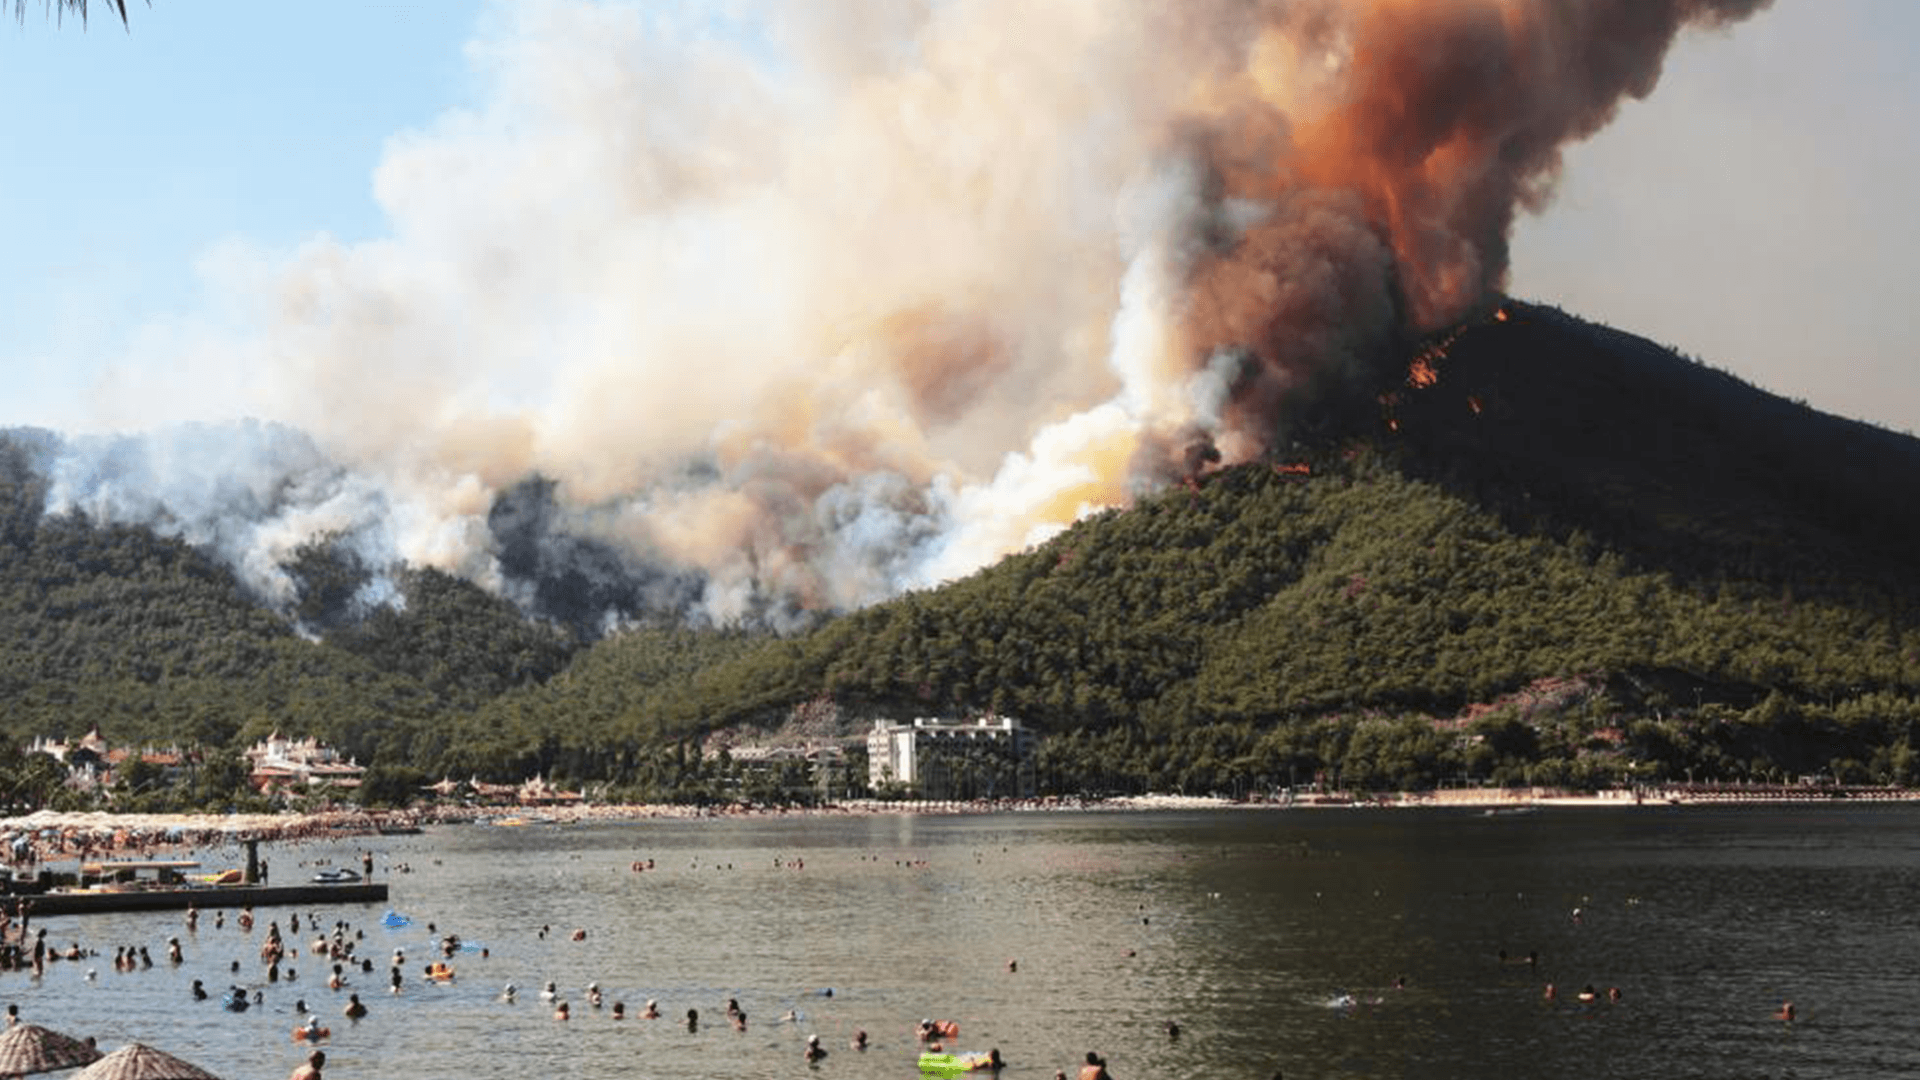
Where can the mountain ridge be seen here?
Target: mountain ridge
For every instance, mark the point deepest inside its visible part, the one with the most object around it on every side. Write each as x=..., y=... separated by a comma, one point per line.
x=1529, y=501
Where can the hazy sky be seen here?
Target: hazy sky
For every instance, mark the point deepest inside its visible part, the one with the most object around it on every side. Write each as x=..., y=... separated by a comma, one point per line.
x=1758, y=211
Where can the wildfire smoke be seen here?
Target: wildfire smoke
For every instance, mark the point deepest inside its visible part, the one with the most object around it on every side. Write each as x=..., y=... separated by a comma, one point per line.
x=848, y=298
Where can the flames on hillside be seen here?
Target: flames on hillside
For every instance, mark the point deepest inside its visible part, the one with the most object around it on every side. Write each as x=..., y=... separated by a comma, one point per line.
x=1423, y=372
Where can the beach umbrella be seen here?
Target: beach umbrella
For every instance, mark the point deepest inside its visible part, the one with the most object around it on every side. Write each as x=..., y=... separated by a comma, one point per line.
x=136, y=1061
x=30, y=1048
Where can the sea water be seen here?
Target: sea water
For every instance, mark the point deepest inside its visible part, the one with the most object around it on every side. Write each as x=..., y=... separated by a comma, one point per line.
x=1325, y=943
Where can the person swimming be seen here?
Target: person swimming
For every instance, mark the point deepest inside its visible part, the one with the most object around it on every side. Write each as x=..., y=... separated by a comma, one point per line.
x=1785, y=1012
x=652, y=1010
x=860, y=1039
x=814, y=1050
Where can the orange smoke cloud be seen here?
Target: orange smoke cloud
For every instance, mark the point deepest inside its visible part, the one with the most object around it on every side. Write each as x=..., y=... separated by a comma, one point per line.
x=1417, y=133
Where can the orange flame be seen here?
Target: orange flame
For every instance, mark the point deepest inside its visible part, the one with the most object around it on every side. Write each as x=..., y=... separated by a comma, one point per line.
x=1421, y=373
x=1500, y=315
x=1294, y=468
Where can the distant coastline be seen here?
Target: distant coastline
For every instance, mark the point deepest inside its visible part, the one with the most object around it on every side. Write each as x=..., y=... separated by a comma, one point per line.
x=59, y=835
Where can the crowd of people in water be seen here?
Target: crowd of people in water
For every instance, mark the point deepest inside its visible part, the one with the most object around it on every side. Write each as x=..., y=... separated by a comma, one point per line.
x=338, y=949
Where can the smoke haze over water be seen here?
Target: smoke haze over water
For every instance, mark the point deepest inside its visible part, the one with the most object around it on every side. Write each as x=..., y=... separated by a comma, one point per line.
x=742, y=319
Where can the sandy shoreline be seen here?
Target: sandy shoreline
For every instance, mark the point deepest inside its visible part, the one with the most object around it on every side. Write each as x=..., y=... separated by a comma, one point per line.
x=94, y=833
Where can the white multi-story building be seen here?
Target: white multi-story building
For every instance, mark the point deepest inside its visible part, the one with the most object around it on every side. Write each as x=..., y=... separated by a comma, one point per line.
x=990, y=757
x=279, y=761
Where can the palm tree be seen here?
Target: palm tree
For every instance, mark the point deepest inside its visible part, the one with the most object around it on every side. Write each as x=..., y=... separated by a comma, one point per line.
x=64, y=6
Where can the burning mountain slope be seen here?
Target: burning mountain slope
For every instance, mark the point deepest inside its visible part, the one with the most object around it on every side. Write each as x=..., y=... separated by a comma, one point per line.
x=1424, y=561
x=1573, y=528
x=1576, y=425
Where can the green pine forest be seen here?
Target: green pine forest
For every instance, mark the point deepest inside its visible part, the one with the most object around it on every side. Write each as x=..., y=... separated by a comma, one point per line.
x=1576, y=559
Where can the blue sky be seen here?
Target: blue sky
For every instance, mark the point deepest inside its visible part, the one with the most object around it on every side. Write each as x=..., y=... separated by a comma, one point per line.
x=136, y=152
x=1756, y=212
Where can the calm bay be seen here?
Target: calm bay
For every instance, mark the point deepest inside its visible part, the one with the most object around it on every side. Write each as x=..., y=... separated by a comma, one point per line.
x=1273, y=938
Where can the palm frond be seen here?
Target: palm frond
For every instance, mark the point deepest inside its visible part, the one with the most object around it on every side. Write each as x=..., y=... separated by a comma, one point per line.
x=62, y=7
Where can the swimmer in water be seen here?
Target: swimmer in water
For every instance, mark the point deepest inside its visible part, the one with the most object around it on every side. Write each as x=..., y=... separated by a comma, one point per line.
x=1784, y=1012
x=1095, y=1068
x=860, y=1039
x=814, y=1050
x=652, y=1011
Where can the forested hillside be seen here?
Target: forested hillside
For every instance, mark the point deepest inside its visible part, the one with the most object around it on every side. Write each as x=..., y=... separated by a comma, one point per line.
x=1547, y=552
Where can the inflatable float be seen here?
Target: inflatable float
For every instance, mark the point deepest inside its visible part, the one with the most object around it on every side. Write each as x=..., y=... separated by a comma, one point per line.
x=935, y=1063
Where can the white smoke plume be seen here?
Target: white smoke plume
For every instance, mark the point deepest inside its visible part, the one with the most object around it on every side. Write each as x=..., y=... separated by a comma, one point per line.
x=793, y=306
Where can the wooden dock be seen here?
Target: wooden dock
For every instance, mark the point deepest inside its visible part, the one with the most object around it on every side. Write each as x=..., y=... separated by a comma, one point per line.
x=91, y=901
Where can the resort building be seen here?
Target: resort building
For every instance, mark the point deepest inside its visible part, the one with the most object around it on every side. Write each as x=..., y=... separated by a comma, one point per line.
x=91, y=764
x=812, y=773
x=280, y=762
x=986, y=758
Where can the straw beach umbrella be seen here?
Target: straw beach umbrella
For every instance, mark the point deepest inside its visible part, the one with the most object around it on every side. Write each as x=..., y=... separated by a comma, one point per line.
x=30, y=1048
x=135, y=1061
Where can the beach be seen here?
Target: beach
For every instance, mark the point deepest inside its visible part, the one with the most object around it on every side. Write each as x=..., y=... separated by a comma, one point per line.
x=51, y=836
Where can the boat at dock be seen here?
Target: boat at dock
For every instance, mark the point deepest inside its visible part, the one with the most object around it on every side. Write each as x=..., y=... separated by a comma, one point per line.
x=162, y=884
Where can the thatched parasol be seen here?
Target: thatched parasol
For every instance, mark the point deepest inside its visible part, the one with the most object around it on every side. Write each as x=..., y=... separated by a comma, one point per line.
x=137, y=1062
x=30, y=1048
